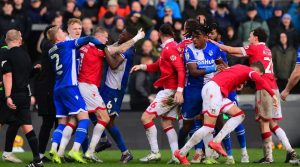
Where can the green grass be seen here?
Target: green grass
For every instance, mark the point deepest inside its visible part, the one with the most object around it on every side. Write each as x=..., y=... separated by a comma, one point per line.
x=111, y=159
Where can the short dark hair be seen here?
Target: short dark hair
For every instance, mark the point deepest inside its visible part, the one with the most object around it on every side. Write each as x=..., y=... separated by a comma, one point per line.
x=166, y=30
x=261, y=34
x=258, y=65
x=189, y=25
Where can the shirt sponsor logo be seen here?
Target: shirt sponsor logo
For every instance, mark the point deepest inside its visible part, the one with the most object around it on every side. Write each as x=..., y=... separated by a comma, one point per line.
x=173, y=58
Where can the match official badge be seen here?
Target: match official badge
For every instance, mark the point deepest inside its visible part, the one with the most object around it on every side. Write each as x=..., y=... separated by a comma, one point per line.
x=173, y=58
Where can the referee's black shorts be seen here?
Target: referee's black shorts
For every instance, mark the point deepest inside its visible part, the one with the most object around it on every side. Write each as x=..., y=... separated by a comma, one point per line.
x=22, y=114
x=6, y=115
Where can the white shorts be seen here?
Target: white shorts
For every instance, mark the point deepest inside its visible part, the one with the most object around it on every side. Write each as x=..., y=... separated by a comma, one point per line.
x=213, y=100
x=264, y=108
x=91, y=96
x=163, y=105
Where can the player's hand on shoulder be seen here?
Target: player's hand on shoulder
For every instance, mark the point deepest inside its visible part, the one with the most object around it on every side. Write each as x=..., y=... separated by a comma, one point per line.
x=178, y=98
x=275, y=101
x=284, y=94
x=101, y=46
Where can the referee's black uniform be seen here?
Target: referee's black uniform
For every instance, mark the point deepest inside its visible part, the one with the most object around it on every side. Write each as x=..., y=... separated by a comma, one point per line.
x=17, y=62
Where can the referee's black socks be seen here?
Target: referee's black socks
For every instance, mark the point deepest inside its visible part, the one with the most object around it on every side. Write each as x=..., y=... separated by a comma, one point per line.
x=11, y=133
x=34, y=145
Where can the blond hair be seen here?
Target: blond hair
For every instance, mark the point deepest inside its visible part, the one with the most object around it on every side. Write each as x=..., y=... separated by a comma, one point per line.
x=12, y=35
x=51, y=34
x=73, y=21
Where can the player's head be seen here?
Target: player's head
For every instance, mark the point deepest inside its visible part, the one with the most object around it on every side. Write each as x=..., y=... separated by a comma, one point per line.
x=258, y=67
x=101, y=34
x=56, y=34
x=74, y=28
x=13, y=37
x=200, y=34
x=258, y=35
x=188, y=25
x=127, y=34
x=166, y=31
x=215, y=33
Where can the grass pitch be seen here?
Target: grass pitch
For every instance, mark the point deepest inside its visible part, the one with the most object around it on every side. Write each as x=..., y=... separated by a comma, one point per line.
x=111, y=159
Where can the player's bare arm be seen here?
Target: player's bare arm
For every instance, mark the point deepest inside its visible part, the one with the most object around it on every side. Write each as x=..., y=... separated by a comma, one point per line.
x=236, y=51
x=294, y=79
x=114, y=61
x=194, y=71
x=125, y=46
x=221, y=65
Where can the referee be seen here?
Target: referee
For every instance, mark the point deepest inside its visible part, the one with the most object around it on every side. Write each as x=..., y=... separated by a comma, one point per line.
x=16, y=68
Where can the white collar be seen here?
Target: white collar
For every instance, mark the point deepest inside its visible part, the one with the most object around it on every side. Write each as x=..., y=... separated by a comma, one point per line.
x=261, y=43
x=166, y=42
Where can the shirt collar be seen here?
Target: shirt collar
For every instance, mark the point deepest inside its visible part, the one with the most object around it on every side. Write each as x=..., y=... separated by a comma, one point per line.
x=166, y=42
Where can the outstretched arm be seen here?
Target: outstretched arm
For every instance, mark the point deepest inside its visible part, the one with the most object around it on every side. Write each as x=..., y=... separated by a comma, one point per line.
x=236, y=51
x=294, y=79
x=85, y=40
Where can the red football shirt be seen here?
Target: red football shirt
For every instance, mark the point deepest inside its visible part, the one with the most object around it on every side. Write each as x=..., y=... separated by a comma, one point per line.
x=230, y=78
x=91, y=65
x=262, y=53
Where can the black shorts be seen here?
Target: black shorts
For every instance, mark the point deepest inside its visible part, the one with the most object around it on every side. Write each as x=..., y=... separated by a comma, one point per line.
x=6, y=115
x=22, y=114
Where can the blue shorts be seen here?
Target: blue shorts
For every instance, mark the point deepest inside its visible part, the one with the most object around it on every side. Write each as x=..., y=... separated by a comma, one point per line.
x=232, y=96
x=68, y=101
x=192, y=105
x=113, y=99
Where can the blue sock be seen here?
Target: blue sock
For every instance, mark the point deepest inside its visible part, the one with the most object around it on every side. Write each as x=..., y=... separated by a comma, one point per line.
x=240, y=132
x=57, y=134
x=103, y=134
x=199, y=146
x=81, y=131
x=93, y=118
x=116, y=135
x=197, y=124
x=227, y=144
x=85, y=144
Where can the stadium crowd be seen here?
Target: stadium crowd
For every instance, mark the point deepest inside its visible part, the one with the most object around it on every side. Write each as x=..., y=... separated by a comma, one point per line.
x=115, y=24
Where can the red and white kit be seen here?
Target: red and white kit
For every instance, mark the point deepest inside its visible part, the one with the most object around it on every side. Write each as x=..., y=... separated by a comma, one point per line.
x=90, y=74
x=172, y=79
x=182, y=45
x=216, y=91
x=264, y=104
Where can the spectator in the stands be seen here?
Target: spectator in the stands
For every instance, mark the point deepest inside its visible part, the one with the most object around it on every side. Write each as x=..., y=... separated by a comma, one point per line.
x=113, y=7
x=286, y=26
x=21, y=13
x=71, y=11
x=148, y=9
x=54, y=6
x=192, y=9
x=147, y=48
x=294, y=11
x=201, y=17
x=240, y=12
x=265, y=9
x=162, y=4
x=117, y=30
x=37, y=12
x=139, y=20
x=87, y=27
x=223, y=17
x=108, y=21
x=136, y=6
x=154, y=37
x=7, y=20
x=178, y=32
x=211, y=10
x=252, y=22
x=231, y=39
x=274, y=22
x=90, y=10
x=284, y=60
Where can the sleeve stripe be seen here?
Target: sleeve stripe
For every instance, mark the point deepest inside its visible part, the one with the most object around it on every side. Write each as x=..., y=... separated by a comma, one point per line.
x=191, y=62
x=122, y=55
x=76, y=42
x=243, y=51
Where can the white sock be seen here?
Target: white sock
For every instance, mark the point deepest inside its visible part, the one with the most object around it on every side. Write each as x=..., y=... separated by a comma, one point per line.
x=6, y=153
x=208, y=150
x=97, y=132
x=228, y=127
x=66, y=136
x=151, y=133
x=267, y=144
x=76, y=146
x=54, y=146
x=244, y=150
x=195, y=139
x=41, y=155
x=284, y=140
x=173, y=140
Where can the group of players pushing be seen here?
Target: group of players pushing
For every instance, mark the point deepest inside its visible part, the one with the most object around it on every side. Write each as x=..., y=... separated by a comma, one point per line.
x=193, y=75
